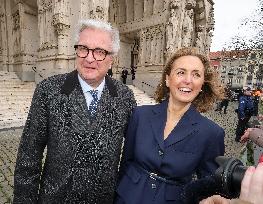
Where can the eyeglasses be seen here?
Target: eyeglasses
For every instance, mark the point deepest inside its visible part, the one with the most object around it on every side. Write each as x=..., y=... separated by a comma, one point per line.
x=97, y=53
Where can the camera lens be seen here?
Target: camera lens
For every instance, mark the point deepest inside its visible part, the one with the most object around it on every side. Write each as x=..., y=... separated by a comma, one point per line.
x=230, y=175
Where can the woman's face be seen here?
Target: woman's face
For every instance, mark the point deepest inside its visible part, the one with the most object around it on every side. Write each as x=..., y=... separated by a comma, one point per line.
x=186, y=79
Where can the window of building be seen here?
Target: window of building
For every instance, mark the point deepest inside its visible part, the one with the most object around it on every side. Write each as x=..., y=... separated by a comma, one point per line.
x=240, y=69
x=238, y=80
x=230, y=80
x=250, y=68
x=253, y=56
x=249, y=79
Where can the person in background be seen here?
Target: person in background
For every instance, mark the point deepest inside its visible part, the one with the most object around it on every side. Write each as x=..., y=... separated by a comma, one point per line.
x=225, y=101
x=169, y=143
x=254, y=137
x=110, y=72
x=80, y=118
x=245, y=111
x=124, y=75
x=133, y=72
x=251, y=189
x=256, y=99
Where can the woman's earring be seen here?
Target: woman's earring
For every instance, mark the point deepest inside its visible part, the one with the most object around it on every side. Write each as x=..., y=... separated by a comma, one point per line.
x=166, y=83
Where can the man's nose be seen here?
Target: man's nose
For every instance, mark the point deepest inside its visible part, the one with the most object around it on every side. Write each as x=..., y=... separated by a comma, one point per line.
x=90, y=57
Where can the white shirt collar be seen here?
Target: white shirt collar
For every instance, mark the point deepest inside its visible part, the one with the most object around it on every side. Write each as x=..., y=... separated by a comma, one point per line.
x=86, y=87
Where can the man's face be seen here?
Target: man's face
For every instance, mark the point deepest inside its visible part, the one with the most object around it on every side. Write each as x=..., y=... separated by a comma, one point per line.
x=248, y=92
x=89, y=69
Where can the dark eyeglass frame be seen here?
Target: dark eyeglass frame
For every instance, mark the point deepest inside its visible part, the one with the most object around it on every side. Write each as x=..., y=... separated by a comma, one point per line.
x=92, y=50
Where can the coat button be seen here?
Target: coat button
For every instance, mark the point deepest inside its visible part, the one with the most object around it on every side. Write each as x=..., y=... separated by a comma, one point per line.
x=160, y=152
x=153, y=186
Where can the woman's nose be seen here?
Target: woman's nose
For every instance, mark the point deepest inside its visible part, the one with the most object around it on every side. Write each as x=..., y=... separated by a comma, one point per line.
x=188, y=78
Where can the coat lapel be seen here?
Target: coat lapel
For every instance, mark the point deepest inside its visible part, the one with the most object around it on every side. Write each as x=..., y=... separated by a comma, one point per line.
x=81, y=118
x=158, y=120
x=187, y=126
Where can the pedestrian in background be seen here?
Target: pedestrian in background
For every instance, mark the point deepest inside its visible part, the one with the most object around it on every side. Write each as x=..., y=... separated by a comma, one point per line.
x=80, y=118
x=245, y=111
x=110, y=72
x=133, y=72
x=124, y=75
x=225, y=100
x=256, y=99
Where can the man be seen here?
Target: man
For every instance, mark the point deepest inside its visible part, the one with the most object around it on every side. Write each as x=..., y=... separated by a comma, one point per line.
x=81, y=118
x=225, y=101
x=133, y=72
x=245, y=111
x=256, y=99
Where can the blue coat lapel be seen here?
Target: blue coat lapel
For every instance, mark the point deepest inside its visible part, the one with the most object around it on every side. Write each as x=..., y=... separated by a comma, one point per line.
x=158, y=120
x=188, y=125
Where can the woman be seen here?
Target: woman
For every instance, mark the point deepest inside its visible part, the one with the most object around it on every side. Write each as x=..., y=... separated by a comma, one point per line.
x=169, y=143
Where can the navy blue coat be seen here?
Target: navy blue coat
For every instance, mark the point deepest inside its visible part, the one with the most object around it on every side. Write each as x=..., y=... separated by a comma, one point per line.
x=190, y=149
x=245, y=106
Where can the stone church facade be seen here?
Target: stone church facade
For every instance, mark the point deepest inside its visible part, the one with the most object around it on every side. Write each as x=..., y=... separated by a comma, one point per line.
x=37, y=36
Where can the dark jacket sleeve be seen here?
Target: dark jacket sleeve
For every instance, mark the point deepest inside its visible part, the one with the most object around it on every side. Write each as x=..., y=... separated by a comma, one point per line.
x=30, y=153
x=241, y=107
x=206, y=185
x=129, y=143
x=215, y=147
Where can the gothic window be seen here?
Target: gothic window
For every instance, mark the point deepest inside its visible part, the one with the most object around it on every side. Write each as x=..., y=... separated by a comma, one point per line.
x=249, y=79
x=230, y=80
x=259, y=73
x=250, y=68
x=253, y=56
x=238, y=80
x=239, y=69
x=223, y=69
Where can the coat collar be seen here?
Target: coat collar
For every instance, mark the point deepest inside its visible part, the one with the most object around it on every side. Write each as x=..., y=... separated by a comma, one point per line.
x=71, y=82
x=77, y=107
x=185, y=127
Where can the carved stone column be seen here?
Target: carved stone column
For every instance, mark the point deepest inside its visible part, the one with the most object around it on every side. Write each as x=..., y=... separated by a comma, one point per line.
x=173, y=27
x=2, y=30
x=188, y=23
x=200, y=37
x=60, y=21
x=141, y=55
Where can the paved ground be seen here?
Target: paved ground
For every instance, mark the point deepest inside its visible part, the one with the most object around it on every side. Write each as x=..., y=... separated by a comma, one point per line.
x=9, y=141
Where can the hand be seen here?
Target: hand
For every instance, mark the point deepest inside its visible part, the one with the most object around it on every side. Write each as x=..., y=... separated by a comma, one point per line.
x=245, y=137
x=216, y=199
x=260, y=117
x=252, y=185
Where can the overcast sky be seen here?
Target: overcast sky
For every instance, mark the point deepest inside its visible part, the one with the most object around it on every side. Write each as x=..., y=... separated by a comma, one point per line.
x=228, y=16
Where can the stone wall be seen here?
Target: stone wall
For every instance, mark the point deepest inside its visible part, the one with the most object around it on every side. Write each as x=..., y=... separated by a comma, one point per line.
x=40, y=33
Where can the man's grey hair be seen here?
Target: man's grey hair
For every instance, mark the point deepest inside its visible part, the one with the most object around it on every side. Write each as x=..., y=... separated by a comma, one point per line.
x=101, y=25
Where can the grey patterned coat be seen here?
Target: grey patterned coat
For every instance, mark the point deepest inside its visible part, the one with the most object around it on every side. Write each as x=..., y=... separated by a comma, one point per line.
x=82, y=153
